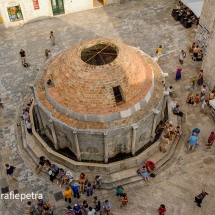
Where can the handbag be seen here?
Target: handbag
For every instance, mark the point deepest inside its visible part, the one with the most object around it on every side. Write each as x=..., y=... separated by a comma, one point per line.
x=152, y=175
x=156, y=51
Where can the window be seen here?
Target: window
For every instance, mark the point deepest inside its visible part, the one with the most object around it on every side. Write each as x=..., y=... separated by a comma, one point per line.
x=118, y=95
x=14, y=12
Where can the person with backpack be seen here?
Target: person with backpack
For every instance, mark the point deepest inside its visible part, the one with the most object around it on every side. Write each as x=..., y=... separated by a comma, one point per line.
x=182, y=57
x=97, y=204
x=119, y=190
x=75, y=190
x=31, y=208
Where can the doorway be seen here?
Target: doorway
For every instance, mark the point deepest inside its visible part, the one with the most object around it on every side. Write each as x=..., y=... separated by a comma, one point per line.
x=57, y=7
x=99, y=3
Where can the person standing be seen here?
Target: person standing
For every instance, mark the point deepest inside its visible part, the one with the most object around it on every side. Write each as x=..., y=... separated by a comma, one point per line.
x=23, y=56
x=182, y=57
x=97, y=204
x=98, y=181
x=200, y=78
x=195, y=52
x=193, y=140
x=68, y=194
x=162, y=209
x=91, y=211
x=10, y=169
x=1, y=103
x=178, y=73
x=52, y=38
x=28, y=126
x=200, y=197
x=159, y=51
x=119, y=190
x=75, y=190
x=211, y=139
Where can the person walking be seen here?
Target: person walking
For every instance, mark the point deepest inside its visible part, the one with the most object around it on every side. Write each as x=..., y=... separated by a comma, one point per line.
x=200, y=197
x=195, y=53
x=52, y=38
x=211, y=139
x=178, y=73
x=193, y=140
x=182, y=57
x=162, y=209
x=23, y=56
x=10, y=170
x=68, y=194
x=124, y=200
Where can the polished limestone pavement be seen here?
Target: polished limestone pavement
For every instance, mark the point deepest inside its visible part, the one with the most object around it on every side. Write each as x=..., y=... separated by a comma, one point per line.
x=138, y=23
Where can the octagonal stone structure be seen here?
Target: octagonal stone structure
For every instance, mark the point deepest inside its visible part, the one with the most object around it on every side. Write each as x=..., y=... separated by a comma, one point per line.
x=105, y=98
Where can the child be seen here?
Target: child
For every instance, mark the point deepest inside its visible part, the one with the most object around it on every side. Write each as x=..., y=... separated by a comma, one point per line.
x=197, y=99
x=145, y=174
x=192, y=86
x=194, y=80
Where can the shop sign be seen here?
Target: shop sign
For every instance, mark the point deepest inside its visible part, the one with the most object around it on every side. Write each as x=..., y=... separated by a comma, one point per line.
x=36, y=4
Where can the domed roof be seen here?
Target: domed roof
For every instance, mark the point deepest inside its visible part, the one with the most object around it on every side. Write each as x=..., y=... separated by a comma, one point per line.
x=99, y=76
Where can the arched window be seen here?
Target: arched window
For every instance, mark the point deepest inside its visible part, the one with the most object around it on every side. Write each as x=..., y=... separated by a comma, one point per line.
x=14, y=11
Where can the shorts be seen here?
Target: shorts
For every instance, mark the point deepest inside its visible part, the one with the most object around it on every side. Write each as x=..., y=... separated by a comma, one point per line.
x=195, y=54
x=99, y=184
x=11, y=174
x=180, y=61
x=145, y=174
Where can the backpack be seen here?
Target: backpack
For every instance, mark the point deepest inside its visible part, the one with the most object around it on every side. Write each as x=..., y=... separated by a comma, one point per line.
x=32, y=208
x=26, y=64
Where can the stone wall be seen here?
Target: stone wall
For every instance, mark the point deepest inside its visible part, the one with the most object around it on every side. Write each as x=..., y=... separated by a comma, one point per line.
x=91, y=142
x=206, y=37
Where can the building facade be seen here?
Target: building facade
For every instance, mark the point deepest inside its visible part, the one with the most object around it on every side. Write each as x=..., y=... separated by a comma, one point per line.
x=19, y=12
x=206, y=38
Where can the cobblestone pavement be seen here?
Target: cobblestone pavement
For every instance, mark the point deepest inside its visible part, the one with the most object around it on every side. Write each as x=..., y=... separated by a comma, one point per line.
x=137, y=23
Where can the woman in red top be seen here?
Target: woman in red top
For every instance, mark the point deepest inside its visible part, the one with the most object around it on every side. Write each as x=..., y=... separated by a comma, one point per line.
x=162, y=209
x=82, y=180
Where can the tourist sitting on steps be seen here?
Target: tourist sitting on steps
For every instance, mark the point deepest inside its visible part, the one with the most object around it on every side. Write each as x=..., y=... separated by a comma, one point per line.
x=150, y=165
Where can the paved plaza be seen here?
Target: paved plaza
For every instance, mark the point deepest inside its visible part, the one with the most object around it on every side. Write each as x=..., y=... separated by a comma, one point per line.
x=139, y=23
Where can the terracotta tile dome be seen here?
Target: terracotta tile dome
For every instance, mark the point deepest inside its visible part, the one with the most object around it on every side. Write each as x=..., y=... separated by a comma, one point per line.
x=99, y=76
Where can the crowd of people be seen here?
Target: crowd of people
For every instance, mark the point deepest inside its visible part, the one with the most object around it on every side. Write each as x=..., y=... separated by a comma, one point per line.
x=26, y=118
x=187, y=13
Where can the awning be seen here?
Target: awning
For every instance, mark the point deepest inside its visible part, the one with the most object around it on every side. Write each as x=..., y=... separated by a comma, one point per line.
x=195, y=6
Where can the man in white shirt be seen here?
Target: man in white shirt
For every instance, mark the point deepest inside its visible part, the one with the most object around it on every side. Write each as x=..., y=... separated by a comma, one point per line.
x=181, y=57
x=91, y=211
